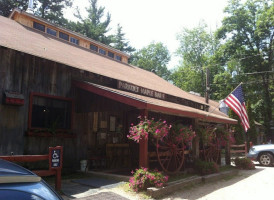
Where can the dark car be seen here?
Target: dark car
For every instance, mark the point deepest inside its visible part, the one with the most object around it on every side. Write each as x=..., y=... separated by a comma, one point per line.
x=262, y=153
x=17, y=182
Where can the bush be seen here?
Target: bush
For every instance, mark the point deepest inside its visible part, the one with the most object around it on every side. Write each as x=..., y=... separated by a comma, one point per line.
x=204, y=168
x=143, y=179
x=243, y=163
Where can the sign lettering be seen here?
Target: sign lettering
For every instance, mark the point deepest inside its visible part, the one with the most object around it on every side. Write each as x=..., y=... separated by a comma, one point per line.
x=140, y=90
x=55, y=158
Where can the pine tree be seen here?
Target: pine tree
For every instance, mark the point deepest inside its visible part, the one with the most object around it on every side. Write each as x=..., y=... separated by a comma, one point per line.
x=93, y=26
x=6, y=6
x=120, y=42
x=52, y=10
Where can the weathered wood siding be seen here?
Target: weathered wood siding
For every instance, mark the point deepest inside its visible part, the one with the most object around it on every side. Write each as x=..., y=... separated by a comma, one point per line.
x=24, y=74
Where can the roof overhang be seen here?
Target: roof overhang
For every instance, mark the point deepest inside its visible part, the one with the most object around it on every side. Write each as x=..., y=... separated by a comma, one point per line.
x=151, y=104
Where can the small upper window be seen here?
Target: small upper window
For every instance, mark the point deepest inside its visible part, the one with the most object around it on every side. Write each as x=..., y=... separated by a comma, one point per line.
x=118, y=58
x=102, y=51
x=74, y=40
x=64, y=36
x=93, y=47
x=110, y=54
x=51, y=32
x=38, y=26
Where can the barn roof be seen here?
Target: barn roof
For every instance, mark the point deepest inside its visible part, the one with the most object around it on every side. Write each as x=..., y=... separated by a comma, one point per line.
x=24, y=39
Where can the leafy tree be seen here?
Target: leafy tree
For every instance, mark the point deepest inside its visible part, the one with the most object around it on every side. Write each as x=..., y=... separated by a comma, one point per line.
x=196, y=50
x=247, y=31
x=154, y=57
x=93, y=26
x=119, y=41
x=6, y=6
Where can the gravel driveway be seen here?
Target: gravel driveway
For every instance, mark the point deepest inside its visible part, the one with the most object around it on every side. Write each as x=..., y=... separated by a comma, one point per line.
x=249, y=184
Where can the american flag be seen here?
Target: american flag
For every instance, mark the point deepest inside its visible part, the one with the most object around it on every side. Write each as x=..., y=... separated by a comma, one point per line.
x=237, y=103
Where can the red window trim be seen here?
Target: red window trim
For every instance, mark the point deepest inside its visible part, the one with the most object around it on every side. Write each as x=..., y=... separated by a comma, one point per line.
x=62, y=132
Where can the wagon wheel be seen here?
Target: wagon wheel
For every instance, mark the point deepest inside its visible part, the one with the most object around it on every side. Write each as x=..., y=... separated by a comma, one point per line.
x=170, y=154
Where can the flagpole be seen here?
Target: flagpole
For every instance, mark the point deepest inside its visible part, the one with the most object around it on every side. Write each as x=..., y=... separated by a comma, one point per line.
x=224, y=98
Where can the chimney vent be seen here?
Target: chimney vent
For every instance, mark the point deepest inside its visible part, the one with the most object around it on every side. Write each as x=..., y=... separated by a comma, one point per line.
x=30, y=7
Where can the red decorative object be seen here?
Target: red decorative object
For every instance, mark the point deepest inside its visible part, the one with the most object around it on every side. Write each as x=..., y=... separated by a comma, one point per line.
x=13, y=98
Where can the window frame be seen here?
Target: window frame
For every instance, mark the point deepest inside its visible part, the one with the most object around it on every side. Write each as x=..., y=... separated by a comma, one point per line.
x=71, y=39
x=93, y=49
x=111, y=54
x=51, y=30
x=44, y=132
x=63, y=34
x=118, y=56
x=36, y=28
x=102, y=50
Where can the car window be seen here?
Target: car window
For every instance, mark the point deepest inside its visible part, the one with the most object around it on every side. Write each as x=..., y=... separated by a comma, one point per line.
x=14, y=195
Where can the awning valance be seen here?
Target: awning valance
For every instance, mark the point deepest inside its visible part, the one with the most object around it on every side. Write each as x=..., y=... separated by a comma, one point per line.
x=152, y=104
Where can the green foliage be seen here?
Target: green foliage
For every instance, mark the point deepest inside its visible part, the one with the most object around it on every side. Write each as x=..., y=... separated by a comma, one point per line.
x=247, y=31
x=243, y=163
x=197, y=49
x=204, y=168
x=119, y=41
x=93, y=26
x=143, y=179
x=251, y=133
x=154, y=57
x=6, y=6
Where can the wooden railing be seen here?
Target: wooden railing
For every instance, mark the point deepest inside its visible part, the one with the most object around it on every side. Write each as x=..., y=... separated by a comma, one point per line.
x=242, y=148
x=55, y=158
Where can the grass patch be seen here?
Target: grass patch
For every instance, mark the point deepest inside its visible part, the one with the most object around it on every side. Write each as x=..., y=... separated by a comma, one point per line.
x=226, y=168
x=179, y=176
x=127, y=189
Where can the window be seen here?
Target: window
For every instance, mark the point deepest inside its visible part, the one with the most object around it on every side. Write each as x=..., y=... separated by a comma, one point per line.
x=64, y=36
x=38, y=26
x=50, y=113
x=110, y=54
x=51, y=32
x=74, y=40
x=102, y=51
x=118, y=58
x=93, y=47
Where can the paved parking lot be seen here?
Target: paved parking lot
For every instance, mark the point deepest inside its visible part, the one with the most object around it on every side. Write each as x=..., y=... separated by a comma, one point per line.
x=249, y=184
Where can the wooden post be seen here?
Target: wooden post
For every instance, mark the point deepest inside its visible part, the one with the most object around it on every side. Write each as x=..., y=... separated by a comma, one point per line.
x=196, y=147
x=196, y=140
x=58, y=180
x=250, y=145
x=143, y=147
x=245, y=148
x=56, y=164
x=227, y=154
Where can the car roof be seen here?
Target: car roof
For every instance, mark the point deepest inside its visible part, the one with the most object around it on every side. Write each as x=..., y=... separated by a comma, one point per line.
x=13, y=173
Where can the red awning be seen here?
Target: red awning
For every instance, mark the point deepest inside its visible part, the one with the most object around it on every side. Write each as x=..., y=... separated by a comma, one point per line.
x=152, y=104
